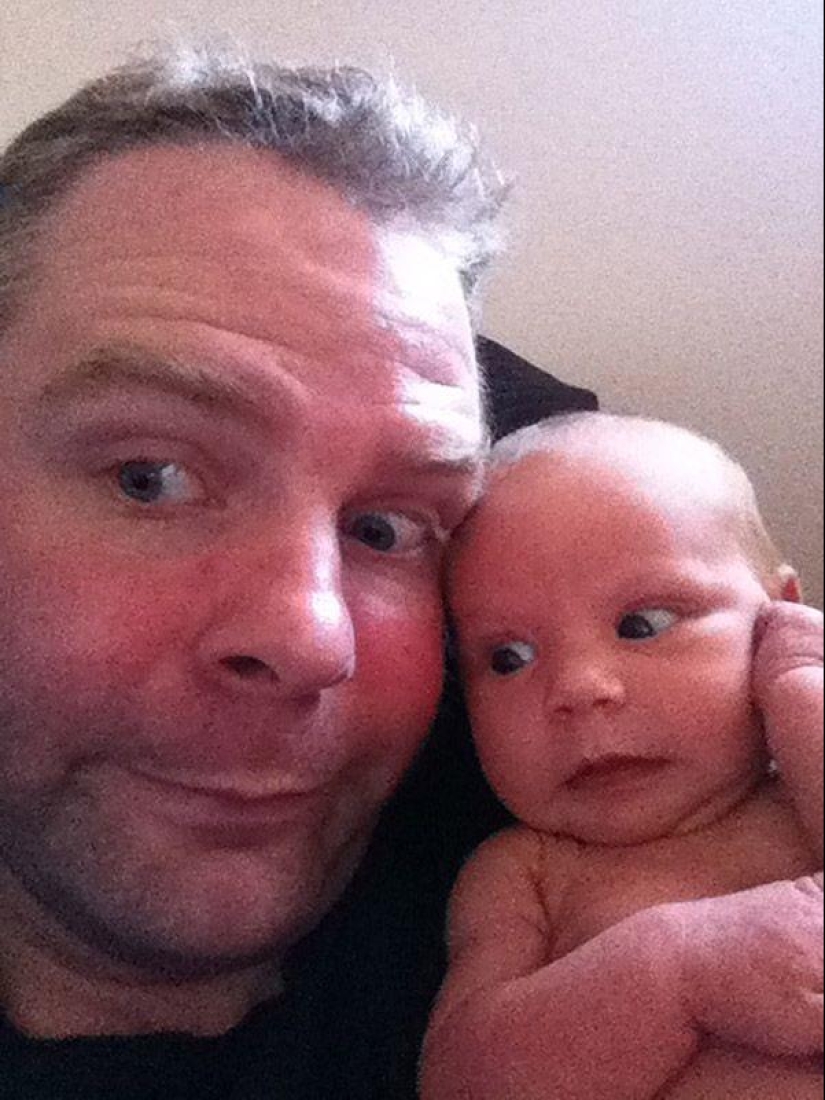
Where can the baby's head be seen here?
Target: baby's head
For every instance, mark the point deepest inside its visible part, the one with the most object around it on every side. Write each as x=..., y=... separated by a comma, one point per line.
x=605, y=593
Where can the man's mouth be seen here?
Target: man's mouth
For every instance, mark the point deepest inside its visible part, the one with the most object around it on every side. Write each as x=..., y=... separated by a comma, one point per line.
x=243, y=787
x=241, y=808
x=615, y=771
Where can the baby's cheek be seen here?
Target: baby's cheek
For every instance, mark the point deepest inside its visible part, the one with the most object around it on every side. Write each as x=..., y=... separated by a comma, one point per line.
x=723, y=660
x=516, y=749
x=717, y=707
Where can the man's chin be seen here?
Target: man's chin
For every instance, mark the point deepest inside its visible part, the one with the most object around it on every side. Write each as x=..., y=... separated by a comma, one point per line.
x=196, y=937
x=178, y=942
x=203, y=923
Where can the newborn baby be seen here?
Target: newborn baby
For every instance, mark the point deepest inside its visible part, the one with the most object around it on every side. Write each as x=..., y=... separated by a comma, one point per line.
x=646, y=696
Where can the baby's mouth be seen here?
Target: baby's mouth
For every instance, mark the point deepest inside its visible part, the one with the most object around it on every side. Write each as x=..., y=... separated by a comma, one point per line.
x=615, y=770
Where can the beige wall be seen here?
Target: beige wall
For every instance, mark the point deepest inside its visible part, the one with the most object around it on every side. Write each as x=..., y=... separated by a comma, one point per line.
x=667, y=231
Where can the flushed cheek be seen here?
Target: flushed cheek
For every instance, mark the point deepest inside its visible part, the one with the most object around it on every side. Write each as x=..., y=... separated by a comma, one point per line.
x=82, y=651
x=399, y=672
x=90, y=619
x=711, y=694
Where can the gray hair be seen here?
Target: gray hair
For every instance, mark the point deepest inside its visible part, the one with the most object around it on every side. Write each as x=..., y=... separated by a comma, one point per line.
x=383, y=149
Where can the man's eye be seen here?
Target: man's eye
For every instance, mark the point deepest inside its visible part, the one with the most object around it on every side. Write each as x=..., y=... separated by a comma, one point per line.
x=508, y=659
x=645, y=624
x=157, y=483
x=390, y=532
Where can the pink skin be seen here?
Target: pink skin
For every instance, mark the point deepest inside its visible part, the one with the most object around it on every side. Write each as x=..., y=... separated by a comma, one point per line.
x=636, y=953
x=605, y=739
x=789, y=639
x=206, y=699
x=752, y=966
x=788, y=689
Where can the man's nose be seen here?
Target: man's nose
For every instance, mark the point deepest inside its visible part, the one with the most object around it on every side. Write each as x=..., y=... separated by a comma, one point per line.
x=584, y=680
x=286, y=628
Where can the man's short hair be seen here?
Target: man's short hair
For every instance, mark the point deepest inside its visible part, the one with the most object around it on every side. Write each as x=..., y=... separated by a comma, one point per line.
x=383, y=149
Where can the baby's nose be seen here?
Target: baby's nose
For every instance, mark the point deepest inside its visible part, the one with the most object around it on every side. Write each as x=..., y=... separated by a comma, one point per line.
x=584, y=682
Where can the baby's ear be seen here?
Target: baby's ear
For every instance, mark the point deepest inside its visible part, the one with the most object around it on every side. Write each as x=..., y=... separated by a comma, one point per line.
x=786, y=585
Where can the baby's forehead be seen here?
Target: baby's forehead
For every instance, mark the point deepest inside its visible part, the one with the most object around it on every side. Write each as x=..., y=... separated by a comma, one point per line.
x=630, y=461
x=670, y=501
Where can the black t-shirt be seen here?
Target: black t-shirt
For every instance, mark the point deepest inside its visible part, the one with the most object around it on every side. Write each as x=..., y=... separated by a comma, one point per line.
x=359, y=990
x=154, y=1068
x=266, y=1057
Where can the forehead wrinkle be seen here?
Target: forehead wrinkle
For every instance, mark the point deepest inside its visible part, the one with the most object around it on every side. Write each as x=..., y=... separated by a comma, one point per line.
x=123, y=367
x=437, y=451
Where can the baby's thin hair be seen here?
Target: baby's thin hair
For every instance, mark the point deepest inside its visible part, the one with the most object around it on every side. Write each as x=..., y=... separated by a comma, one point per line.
x=585, y=432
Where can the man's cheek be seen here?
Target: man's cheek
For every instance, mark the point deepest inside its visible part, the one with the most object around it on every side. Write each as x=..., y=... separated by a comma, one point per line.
x=82, y=617
x=403, y=646
x=400, y=670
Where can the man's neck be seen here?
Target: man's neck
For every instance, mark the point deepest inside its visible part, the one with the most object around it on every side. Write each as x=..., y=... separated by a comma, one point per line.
x=54, y=987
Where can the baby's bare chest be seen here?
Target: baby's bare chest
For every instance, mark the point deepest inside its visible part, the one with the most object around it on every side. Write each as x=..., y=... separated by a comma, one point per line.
x=608, y=885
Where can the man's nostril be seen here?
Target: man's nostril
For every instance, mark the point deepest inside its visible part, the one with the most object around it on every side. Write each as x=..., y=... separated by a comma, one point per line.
x=248, y=668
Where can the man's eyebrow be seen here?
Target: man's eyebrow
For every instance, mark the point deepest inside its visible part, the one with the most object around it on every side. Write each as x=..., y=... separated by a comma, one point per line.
x=111, y=369
x=116, y=368
x=462, y=459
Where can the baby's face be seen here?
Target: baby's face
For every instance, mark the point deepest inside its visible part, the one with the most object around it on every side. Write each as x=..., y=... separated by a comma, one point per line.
x=606, y=633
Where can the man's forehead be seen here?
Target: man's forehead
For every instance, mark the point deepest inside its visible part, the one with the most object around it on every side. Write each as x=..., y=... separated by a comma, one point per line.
x=180, y=183
x=220, y=194
x=420, y=294
x=243, y=234
x=196, y=266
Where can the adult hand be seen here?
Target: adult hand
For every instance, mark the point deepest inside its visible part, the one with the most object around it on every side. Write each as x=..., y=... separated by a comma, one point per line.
x=752, y=966
x=788, y=639
x=788, y=691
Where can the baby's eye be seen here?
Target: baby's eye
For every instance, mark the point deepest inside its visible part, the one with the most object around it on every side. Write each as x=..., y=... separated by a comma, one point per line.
x=390, y=532
x=508, y=659
x=641, y=625
x=150, y=483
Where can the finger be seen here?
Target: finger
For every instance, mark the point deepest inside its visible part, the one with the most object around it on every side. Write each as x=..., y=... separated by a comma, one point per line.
x=767, y=613
x=801, y=1031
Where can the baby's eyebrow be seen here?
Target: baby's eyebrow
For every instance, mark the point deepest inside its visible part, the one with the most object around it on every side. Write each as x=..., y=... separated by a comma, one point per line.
x=696, y=582
x=484, y=628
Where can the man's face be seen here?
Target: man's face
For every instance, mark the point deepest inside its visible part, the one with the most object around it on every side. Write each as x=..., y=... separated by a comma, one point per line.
x=606, y=633
x=236, y=422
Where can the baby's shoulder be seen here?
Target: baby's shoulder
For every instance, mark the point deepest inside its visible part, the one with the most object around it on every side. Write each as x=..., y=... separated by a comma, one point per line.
x=528, y=849
x=520, y=861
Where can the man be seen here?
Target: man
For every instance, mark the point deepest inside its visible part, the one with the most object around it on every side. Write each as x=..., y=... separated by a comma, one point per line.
x=239, y=416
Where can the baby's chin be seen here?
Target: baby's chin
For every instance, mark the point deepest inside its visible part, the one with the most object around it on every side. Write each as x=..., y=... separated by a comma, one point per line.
x=624, y=811
x=612, y=834
x=629, y=826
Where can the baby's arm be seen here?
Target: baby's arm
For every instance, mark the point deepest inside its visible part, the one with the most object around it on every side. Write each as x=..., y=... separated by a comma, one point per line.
x=788, y=688
x=605, y=1022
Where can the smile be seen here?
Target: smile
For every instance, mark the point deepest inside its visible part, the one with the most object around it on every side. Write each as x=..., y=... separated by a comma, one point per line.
x=245, y=788
x=224, y=808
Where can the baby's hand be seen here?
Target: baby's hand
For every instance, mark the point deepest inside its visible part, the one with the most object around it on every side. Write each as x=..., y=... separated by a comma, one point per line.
x=753, y=966
x=788, y=637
